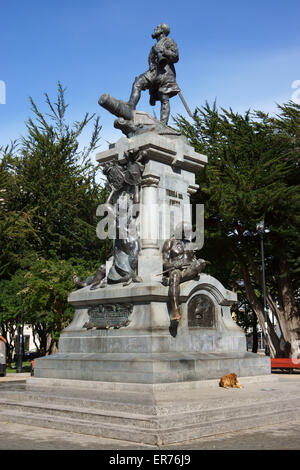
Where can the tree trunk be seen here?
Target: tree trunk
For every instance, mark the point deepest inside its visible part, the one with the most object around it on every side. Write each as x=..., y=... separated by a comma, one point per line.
x=289, y=313
x=51, y=346
x=288, y=317
x=41, y=332
x=254, y=334
x=274, y=342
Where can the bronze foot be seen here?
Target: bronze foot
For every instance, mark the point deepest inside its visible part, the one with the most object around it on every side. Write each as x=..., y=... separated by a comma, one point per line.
x=173, y=328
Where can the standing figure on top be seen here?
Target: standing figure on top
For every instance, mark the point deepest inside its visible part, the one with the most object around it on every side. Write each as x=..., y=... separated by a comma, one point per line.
x=160, y=79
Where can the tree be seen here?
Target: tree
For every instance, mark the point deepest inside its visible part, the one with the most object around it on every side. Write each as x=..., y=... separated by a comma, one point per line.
x=54, y=182
x=10, y=306
x=15, y=223
x=246, y=318
x=48, y=201
x=253, y=174
x=47, y=311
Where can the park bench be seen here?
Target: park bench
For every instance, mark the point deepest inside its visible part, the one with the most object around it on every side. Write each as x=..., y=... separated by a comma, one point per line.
x=285, y=363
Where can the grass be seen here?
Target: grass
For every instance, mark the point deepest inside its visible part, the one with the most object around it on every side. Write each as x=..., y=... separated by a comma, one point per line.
x=26, y=367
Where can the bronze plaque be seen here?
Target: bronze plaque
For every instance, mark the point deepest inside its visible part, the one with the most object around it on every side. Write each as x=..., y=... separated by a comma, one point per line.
x=201, y=311
x=108, y=315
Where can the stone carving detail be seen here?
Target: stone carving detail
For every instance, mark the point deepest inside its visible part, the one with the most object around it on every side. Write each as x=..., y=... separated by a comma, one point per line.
x=115, y=175
x=124, y=180
x=92, y=281
x=201, y=311
x=125, y=176
x=104, y=316
x=125, y=259
x=150, y=180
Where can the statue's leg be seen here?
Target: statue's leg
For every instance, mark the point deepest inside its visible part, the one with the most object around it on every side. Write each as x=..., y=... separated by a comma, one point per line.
x=174, y=291
x=189, y=273
x=165, y=109
x=193, y=270
x=139, y=84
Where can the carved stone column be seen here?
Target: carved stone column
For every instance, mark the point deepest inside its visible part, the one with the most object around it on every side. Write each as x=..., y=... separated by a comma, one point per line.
x=149, y=219
x=150, y=263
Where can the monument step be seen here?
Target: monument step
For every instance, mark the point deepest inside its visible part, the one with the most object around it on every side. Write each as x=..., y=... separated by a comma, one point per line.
x=150, y=368
x=110, y=431
x=107, y=402
x=152, y=436
x=131, y=417
x=149, y=400
x=81, y=414
x=157, y=399
x=145, y=404
x=152, y=413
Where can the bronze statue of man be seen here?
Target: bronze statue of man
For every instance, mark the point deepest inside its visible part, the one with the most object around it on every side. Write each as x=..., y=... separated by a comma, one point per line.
x=160, y=79
x=180, y=265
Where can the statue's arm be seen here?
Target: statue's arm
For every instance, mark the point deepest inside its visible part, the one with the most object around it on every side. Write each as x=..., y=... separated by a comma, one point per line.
x=166, y=249
x=171, y=51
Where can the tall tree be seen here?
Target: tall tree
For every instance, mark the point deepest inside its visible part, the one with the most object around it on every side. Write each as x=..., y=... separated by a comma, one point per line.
x=48, y=201
x=47, y=284
x=15, y=222
x=55, y=181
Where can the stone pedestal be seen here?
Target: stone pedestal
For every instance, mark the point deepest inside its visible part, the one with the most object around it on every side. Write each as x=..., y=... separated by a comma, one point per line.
x=121, y=333
x=208, y=343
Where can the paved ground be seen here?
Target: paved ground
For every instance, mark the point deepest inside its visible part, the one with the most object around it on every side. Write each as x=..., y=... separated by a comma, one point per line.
x=285, y=436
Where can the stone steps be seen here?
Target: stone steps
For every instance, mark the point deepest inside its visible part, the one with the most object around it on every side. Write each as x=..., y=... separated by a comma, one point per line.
x=148, y=403
x=77, y=426
x=149, y=436
x=80, y=415
x=79, y=403
x=213, y=407
x=176, y=424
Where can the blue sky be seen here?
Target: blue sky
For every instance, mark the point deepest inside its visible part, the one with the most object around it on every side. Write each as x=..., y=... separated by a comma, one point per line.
x=245, y=54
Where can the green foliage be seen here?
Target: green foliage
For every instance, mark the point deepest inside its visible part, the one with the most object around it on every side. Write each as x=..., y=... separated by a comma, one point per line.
x=48, y=283
x=252, y=174
x=54, y=182
x=248, y=174
x=10, y=307
x=48, y=200
x=15, y=224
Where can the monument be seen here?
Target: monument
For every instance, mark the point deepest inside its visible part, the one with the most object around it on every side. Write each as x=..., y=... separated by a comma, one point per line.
x=150, y=326
x=151, y=315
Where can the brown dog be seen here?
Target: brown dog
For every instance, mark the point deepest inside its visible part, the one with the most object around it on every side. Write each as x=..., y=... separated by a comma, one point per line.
x=230, y=380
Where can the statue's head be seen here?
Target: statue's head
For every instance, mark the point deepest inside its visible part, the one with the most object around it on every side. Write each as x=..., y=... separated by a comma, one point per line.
x=183, y=231
x=162, y=28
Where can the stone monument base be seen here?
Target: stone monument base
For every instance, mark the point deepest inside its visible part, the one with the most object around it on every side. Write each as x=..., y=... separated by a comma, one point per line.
x=153, y=368
x=121, y=334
